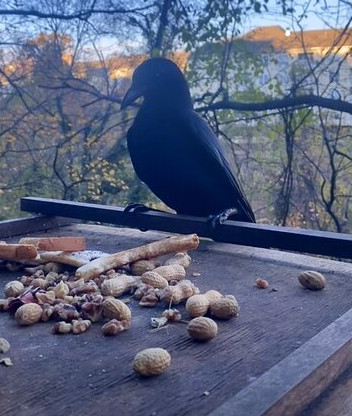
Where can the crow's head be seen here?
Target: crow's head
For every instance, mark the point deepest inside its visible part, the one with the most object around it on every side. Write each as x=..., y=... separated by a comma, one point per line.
x=160, y=82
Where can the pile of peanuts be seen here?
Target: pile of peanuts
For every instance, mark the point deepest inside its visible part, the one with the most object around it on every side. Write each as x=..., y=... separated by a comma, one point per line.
x=73, y=305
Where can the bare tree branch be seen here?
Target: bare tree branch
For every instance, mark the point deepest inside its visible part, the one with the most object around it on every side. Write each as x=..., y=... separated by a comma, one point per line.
x=300, y=101
x=163, y=22
x=81, y=15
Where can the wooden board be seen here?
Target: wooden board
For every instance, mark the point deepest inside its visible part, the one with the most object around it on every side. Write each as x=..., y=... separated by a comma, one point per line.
x=336, y=400
x=35, y=223
x=88, y=374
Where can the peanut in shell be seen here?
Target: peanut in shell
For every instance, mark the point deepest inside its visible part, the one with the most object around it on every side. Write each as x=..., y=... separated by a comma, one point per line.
x=151, y=361
x=312, y=280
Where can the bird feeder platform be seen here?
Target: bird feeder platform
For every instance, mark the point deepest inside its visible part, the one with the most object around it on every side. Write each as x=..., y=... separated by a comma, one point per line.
x=288, y=352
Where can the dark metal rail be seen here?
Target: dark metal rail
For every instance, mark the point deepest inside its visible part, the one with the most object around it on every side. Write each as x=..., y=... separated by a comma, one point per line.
x=255, y=235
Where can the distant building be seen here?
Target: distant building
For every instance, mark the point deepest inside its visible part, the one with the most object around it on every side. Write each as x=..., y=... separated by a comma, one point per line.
x=270, y=62
x=313, y=62
x=317, y=42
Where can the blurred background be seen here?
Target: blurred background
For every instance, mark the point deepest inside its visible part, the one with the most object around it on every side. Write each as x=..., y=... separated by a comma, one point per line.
x=273, y=78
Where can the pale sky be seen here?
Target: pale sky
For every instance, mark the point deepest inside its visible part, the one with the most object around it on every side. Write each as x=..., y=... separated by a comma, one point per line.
x=326, y=14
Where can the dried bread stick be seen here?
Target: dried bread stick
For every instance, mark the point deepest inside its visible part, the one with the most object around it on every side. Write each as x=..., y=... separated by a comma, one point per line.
x=56, y=243
x=17, y=251
x=147, y=251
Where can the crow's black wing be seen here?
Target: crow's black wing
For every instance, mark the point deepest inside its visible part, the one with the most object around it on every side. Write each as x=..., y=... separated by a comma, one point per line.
x=213, y=155
x=179, y=157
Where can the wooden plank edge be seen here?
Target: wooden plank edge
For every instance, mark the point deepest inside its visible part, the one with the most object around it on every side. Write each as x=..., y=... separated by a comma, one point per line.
x=23, y=226
x=296, y=381
x=256, y=235
x=300, y=261
x=336, y=400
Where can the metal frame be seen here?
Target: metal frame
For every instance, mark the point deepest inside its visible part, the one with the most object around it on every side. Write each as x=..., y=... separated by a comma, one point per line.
x=255, y=235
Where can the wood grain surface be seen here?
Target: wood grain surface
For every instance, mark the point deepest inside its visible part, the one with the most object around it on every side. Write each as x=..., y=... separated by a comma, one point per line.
x=336, y=400
x=89, y=374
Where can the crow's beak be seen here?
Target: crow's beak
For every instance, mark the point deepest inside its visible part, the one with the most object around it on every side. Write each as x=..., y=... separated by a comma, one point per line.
x=131, y=96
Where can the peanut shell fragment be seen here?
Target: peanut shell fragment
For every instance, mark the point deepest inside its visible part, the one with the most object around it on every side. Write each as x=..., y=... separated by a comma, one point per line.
x=80, y=325
x=6, y=361
x=261, y=283
x=62, y=327
x=114, y=327
x=4, y=345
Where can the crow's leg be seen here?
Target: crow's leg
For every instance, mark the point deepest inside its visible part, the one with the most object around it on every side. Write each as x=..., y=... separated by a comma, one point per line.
x=138, y=208
x=135, y=208
x=214, y=220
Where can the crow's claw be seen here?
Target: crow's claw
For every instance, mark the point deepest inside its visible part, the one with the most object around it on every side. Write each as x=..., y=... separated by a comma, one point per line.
x=135, y=208
x=215, y=220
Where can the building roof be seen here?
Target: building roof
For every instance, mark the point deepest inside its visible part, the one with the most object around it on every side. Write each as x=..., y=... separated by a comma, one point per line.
x=326, y=37
x=285, y=41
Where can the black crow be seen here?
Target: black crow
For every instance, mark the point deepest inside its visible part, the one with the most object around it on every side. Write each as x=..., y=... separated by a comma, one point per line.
x=175, y=152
